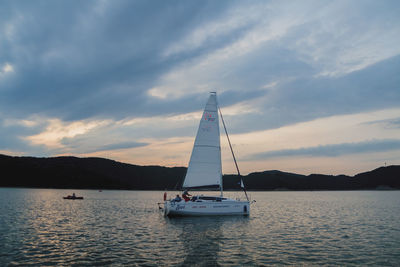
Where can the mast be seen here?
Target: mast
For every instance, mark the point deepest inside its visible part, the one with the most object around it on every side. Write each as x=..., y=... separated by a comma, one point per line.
x=233, y=155
x=221, y=181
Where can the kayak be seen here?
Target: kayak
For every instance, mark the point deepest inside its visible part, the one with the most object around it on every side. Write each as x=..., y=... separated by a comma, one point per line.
x=72, y=197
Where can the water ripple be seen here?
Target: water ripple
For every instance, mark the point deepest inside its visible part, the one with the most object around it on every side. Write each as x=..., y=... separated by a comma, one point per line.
x=38, y=227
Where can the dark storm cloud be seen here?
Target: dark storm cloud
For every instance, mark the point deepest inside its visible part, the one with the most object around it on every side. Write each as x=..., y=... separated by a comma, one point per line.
x=75, y=60
x=303, y=99
x=331, y=150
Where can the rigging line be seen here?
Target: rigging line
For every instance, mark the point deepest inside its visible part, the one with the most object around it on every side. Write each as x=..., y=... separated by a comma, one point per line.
x=233, y=154
x=229, y=141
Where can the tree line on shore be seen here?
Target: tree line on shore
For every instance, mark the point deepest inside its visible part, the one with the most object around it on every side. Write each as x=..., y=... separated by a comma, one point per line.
x=100, y=173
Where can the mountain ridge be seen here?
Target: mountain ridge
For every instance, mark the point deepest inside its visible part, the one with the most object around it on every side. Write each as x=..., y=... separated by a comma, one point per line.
x=100, y=173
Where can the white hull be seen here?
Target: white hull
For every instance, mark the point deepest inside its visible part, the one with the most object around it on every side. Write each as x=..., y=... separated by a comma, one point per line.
x=207, y=208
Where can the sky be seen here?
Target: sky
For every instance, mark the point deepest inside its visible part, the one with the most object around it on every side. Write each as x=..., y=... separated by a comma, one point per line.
x=304, y=86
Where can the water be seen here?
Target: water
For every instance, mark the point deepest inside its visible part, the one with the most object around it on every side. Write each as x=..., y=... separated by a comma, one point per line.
x=38, y=227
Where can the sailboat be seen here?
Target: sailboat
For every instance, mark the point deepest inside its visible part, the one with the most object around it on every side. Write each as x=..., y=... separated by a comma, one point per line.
x=205, y=172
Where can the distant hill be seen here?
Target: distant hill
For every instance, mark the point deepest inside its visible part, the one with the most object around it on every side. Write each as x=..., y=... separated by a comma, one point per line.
x=95, y=173
x=99, y=173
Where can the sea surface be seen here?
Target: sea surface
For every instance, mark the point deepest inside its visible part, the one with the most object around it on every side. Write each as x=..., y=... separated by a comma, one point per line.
x=346, y=228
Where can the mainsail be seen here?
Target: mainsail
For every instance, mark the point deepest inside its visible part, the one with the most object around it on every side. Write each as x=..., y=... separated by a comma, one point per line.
x=204, y=169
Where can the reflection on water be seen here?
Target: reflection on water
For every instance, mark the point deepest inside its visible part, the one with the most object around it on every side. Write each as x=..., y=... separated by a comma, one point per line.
x=203, y=237
x=38, y=227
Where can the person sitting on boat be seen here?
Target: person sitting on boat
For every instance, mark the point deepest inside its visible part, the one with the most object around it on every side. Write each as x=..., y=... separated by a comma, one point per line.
x=73, y=195
x=186, y=196
x=177, y=199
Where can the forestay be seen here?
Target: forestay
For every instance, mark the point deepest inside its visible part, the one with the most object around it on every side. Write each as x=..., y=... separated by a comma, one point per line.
x=205, y=162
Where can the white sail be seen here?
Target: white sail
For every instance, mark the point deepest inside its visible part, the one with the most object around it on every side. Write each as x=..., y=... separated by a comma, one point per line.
x=205, y=162
x=204, y=171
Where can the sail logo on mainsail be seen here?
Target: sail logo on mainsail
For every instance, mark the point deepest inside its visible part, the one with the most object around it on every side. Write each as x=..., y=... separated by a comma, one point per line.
x=208, y=117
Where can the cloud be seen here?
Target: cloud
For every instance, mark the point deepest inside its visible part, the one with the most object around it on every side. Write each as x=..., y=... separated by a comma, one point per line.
x=297, y=100
x=386, y=123
x=142, y=66
x=13, y=133
x=57, y=130
x=123, y=145
x=6, y=68
x=332, y=150
x=108, y=59
x=94, y=59
x=81, y=146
